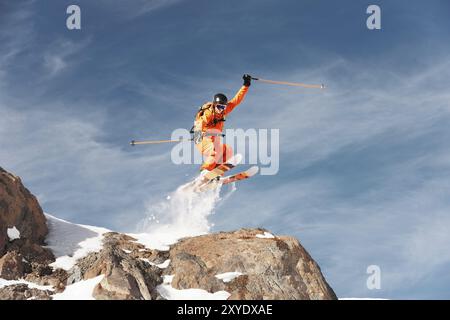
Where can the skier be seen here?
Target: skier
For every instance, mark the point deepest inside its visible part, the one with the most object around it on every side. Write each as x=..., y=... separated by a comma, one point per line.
x=208, y=127
x=207, y=130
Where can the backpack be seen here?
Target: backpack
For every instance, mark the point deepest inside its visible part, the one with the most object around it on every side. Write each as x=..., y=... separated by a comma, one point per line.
x=200, y=113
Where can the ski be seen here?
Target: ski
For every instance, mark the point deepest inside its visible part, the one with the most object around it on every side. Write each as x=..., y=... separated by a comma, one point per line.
x=229, y=179
x=240, y=176
x=219, y=171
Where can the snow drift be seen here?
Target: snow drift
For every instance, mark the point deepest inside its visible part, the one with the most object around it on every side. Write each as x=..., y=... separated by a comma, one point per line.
x=70, y=242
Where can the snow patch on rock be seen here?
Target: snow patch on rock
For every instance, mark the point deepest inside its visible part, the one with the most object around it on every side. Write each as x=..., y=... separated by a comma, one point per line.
x=266, y=235
x=168, y=292
x=163, y=265
x=13, y=233
x=5, y=283
x=81, y=290
x=228, y=276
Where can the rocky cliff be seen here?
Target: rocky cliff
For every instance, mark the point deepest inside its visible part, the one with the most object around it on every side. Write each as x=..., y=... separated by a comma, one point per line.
x=53, y=259
x=23, y=230
x=19, y=209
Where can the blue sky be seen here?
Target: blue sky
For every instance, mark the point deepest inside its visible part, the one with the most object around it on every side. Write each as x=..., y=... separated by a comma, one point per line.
x=365, y=165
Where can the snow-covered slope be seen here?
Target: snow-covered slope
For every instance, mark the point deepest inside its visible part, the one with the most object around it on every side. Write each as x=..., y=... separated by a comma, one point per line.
x=81, y=290
x=70, y=242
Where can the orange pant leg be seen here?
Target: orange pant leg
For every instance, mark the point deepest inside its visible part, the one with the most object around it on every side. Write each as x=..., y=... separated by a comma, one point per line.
x=214, y=152
x=227, y=152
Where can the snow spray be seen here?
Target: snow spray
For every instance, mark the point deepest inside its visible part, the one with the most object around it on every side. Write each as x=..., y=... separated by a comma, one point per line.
x=184, y=213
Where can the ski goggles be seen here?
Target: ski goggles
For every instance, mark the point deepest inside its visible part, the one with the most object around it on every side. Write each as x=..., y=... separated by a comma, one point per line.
x=221, y=106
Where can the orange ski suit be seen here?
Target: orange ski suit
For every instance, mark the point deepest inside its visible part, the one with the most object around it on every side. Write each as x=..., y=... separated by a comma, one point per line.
x=208, y=121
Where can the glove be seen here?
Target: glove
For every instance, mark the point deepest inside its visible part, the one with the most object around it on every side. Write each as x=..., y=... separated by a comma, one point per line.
x=198, y=136
x=247, y=80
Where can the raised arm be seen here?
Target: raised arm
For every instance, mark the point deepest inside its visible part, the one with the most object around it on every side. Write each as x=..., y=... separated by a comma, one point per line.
x=233, y=103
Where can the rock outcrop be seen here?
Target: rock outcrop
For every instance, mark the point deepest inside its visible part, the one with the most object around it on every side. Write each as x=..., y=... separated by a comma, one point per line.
x=23, y=292
x=23, y=230
x=126, y=269
x=21, y=212
x=262, y=266
x=11, y=266
x=271, y=268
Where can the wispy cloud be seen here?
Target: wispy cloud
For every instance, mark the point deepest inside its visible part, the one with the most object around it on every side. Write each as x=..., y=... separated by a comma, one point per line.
x=55, y=64
x=61, y=54
x=148, y=6
x=15, y=33
x=137, y=8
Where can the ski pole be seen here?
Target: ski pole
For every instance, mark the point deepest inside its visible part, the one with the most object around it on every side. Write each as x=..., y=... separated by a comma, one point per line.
x=133, y=142
x=294, y=84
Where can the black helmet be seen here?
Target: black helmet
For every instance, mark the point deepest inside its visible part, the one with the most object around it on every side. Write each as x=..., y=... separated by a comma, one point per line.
x=220, y=98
